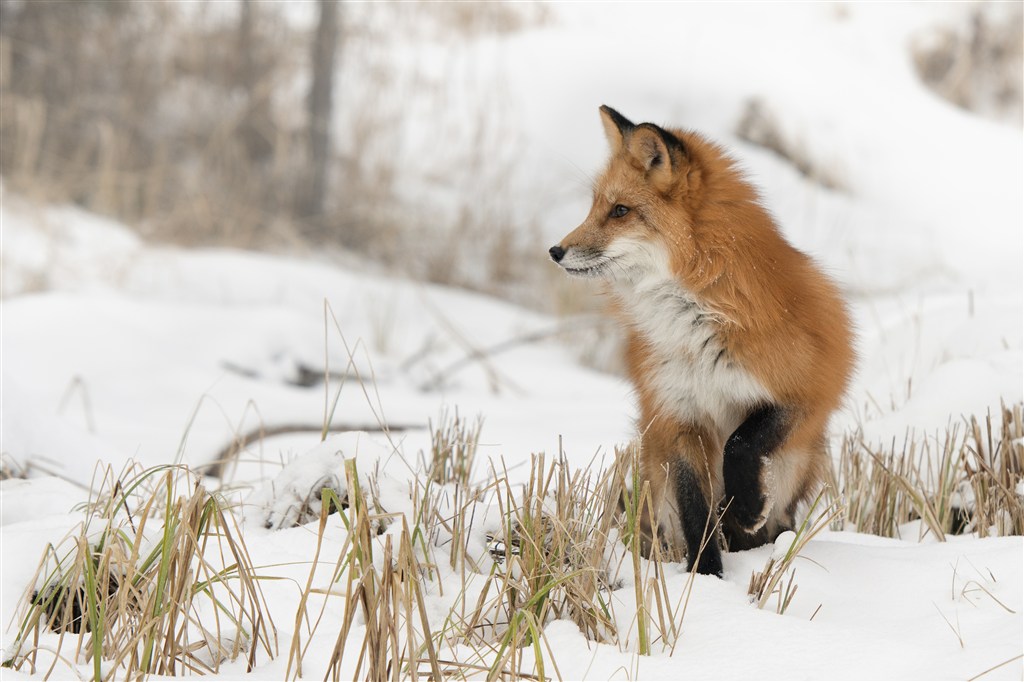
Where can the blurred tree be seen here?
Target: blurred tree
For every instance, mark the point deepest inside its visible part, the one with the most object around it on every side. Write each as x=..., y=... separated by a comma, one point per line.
x=255, y=130
x=320, y=105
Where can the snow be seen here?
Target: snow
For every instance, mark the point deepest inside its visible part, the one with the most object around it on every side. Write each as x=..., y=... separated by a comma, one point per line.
x=885, y=623
x=284, y=502
x=115, y=350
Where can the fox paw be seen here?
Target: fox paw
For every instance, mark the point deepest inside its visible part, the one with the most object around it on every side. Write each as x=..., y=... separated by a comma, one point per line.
x=709, y=561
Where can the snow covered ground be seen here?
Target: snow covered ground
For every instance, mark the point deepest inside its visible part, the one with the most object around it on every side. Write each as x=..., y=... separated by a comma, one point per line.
x=116, y=350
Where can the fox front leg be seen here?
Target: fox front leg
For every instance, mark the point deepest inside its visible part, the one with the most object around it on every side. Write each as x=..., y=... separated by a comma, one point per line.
x=699, y=525
x=747, y=470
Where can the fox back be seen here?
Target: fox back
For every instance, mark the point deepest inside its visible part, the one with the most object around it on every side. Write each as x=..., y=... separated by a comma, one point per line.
x=739, y=347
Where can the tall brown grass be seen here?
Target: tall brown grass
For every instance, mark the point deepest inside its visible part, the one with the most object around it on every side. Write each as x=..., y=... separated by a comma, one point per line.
x=156, y=581
x=963, y=480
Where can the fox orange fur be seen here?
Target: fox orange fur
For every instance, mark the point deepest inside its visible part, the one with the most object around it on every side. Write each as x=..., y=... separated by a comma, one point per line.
x=739, y=347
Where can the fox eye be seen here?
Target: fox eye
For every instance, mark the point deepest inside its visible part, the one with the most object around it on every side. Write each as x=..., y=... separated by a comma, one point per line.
x=619, y=211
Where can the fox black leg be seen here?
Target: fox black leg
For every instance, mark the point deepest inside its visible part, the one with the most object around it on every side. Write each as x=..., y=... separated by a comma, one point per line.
x=747, y=457
x=699, y=527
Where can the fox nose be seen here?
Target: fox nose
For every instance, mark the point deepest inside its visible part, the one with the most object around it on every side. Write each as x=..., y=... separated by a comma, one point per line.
x=557, y=253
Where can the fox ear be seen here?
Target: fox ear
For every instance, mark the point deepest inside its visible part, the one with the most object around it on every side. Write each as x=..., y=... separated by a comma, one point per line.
x=616, y=127
x=653, y=148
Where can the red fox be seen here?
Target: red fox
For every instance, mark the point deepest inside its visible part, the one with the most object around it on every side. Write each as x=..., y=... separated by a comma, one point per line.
x=739, y=347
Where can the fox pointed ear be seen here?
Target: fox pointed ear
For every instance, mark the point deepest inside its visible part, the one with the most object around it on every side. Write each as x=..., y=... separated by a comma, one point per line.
x=657, y=151
x=616, y=127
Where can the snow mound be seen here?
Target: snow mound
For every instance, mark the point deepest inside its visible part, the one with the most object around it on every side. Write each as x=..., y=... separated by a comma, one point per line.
x=294, y=496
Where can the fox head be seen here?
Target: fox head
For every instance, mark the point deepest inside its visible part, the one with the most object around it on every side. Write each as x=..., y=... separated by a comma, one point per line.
x=639, y=220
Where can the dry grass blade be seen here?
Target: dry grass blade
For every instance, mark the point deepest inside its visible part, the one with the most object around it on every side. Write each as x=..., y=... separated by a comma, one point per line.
x=996, y=667
x=955, y=629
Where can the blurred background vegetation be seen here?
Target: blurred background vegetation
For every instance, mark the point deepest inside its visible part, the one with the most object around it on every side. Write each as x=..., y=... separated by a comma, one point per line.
x=215, y=124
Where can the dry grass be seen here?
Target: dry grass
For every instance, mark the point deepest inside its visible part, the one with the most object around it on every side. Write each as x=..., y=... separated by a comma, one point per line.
x=562, y=547
x=453, y=450
x=387, y=599
x=965, y=480
x=158, y=581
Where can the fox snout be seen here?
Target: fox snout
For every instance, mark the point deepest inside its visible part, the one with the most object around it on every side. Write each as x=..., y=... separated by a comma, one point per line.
x=579, y=261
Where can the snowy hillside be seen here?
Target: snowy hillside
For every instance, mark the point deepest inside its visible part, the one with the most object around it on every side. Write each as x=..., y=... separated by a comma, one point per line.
x=118, y=351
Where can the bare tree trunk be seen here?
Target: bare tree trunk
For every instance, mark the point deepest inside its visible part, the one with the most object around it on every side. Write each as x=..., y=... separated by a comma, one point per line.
x=255, y=129
x=246, y=71
x=320, y=103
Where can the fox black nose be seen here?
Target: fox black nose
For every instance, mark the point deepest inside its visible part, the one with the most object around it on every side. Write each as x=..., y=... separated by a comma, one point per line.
x=557, y=253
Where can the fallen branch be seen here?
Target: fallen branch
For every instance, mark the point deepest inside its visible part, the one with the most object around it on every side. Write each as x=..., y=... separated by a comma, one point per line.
x=231, y=451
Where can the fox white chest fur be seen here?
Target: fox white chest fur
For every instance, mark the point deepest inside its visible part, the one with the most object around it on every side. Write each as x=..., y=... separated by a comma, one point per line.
x=687, y=367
